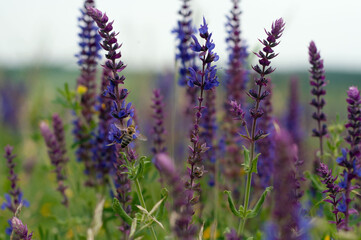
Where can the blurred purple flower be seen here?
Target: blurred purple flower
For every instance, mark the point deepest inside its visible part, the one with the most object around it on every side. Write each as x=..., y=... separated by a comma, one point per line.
x=158, y=130
x=20, y=231
x=318, y=83
x=184, y=31
x=333, y=190
x=56, y=152
x=87, y=60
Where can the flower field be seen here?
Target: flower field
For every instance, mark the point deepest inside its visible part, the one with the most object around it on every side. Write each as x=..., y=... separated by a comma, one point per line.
x=204, y=150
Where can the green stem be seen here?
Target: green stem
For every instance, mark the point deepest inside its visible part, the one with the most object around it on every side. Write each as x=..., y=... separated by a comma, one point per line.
x=249, y=174
x=142, y=202
x=246, y=201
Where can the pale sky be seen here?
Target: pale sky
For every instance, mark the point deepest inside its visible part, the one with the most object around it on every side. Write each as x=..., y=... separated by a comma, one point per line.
x=45, y=31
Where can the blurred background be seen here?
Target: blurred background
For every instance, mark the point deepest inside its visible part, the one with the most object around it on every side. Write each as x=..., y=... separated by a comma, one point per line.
x=39, y=40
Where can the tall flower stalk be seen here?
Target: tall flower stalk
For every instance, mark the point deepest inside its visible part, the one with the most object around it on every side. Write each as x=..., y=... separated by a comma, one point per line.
x=253, y=134
x=55, y=143
x=204, y=79
x=121, y=112
x=350, y=158
x=86, y=85
x=318, y=83
x=235, y=82
x=158, y=129
x=264, y=70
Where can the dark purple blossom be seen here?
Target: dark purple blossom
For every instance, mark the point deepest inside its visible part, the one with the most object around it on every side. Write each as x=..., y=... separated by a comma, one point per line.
x=158, y=130
x=237, y=75
x=293, y=118
x=183, y=227
x=236, y=80
x=56, y=152
x=317, y=81
x=333, y=191
x=20, y=231
x=15, y=196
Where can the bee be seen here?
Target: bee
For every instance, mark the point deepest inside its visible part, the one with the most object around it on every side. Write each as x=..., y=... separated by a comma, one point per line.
x=128, y=135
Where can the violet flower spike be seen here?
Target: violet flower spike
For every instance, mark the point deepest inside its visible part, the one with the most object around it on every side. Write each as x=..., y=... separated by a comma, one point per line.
x=86, y=87
x=318, y=83
x=158, y=130
x=204, y=79
x=15, y=197
x=350, y=158
x=236, y=80
x=184, y=31
x=333, y=190
x=237, y=75
x=56, y=155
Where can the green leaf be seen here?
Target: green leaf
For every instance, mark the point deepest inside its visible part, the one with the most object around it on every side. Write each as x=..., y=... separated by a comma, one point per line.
x=246, y=163
x=140, y=169
x=257, y=208
x=316, y=182
x=231, y=204
x=160, y=213
x=119, y=210
x=254, y=164
x=133, y=228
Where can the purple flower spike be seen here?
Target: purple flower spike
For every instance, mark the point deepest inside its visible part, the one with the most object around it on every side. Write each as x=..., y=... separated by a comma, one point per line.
x=15, y=196
x=318, y=83
x=236, y=112
x=87, y=59
x=268, y=53
x=184, y=32
x=333, y=190
x=158, y=130
x=56, y=153
x=350, y=158
x=20, y=231
x=206, y=78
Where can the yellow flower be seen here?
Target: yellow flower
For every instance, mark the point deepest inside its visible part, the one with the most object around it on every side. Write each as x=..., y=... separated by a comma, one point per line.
x=81, y=89
x=207, y=233
x=327, y=237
